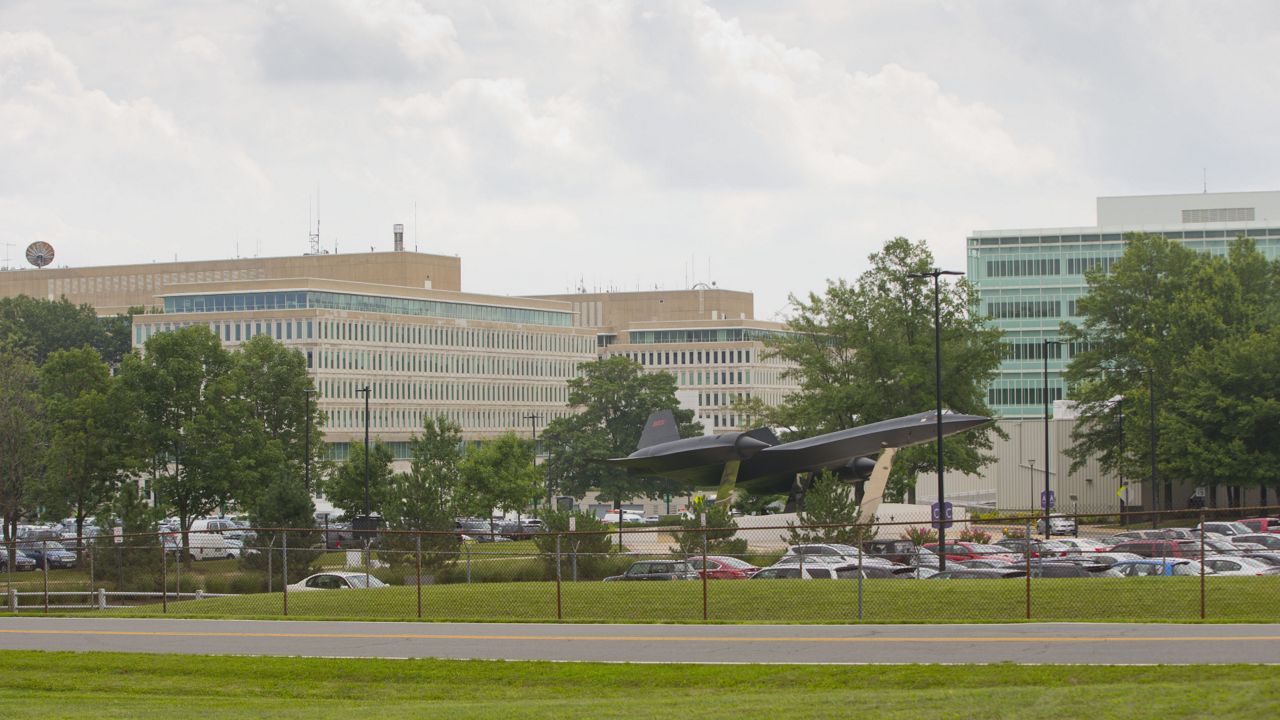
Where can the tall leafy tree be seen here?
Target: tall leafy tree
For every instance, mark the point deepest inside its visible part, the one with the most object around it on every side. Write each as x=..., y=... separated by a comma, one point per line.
x=1159, y=308
x=424, y=498
x=196, y=427
x=41, y=327
x=829, y=514
x=88, y=414
x=500, y=474
x=614, y=397
x=345, y=485
x=863, y=352
x=22, y=436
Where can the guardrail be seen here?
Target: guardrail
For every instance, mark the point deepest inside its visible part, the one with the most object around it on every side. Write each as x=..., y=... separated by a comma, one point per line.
x=99, y=599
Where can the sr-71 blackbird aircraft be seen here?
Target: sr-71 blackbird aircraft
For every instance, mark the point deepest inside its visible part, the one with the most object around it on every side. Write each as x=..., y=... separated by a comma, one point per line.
x=757, y=461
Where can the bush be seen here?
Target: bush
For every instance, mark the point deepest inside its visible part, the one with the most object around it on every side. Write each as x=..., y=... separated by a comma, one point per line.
x=719, y=532
x=974, y=535
x=920, y=535
x=592, y=543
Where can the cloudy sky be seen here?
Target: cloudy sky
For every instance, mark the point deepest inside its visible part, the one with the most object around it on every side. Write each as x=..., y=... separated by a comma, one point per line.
x=615, y=144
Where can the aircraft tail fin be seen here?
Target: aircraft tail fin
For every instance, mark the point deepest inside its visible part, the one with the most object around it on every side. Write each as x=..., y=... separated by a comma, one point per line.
x=660, y=428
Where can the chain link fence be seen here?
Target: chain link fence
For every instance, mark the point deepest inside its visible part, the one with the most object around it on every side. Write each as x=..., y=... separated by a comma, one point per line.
x=1000, y=567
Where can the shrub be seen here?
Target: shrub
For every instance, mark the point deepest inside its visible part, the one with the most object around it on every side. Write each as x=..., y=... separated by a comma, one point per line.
x=974, y=535
x=920, y=535
x=592, y=543
x=719, y=533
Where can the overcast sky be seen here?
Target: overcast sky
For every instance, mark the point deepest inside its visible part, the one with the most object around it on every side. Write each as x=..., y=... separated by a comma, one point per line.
x=766, y=146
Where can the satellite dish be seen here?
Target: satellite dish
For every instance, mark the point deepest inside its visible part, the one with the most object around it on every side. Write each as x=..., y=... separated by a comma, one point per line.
x=39, y=253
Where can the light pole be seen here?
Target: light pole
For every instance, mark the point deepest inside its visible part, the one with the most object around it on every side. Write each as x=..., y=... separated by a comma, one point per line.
x=1124, y=497
x=937, y=392
x=365, y=390
x=306, y=447
x=1032, y=505
x=1047, y=342
x=533, y=422
x=1155, y=490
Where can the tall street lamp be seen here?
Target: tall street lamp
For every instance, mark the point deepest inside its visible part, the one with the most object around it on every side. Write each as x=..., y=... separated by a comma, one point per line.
x=533, y=422
x=1047, y=342
x=937, y=392
x=365, y=390
x=306, y=462
x=1155, y=489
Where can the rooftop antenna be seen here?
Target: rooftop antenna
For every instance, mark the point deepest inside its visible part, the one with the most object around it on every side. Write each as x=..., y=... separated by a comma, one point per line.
x=315, y=236
x=8, y=259
x=415, y=226
x=1205, y=173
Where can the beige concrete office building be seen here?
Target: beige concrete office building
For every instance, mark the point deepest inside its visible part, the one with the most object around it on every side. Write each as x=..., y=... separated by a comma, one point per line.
x=706, y=337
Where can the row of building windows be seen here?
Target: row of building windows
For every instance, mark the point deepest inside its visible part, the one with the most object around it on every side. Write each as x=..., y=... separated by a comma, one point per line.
x=658, y=337
x=1024, y=267
x=447, y=336
x=313, y=299
x=1021, y=395
x=350, y=389
x=691, y=357
x=1025, y=309
x=1078, y=266
x=411, y=419
x=717, y=399
x=1114, y=237
x=1030, y=351
x=445, y=363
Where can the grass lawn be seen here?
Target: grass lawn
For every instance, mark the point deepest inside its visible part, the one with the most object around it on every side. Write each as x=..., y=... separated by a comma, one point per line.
x=108, y=685
x=1228, y=599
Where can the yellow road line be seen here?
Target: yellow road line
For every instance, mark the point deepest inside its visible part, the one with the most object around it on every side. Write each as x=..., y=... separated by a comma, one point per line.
x=655, y=638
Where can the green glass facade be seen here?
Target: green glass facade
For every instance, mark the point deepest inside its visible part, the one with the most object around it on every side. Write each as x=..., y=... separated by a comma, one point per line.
x=1030, y=282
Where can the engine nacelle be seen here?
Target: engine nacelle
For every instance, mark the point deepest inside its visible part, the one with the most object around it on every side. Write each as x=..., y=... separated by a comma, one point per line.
x=857, y=470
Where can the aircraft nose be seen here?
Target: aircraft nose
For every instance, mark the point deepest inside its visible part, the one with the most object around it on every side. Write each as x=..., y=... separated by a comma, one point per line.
x=748, y=446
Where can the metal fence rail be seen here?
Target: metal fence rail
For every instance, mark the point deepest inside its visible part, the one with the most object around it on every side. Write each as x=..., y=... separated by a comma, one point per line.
x=1001, y=568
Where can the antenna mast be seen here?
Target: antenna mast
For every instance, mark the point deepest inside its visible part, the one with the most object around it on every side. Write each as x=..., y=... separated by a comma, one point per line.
x=315, y=236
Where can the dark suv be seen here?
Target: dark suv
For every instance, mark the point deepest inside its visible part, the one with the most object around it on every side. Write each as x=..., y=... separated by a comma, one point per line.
x=658, y=570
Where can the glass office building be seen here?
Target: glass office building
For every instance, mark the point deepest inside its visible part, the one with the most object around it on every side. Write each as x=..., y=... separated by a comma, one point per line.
x=1030, y=280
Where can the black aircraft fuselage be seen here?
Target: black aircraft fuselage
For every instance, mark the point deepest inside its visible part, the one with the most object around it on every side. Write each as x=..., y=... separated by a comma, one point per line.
x=765, y=465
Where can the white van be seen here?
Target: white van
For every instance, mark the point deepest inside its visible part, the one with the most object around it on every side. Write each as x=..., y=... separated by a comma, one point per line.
x=209, y=546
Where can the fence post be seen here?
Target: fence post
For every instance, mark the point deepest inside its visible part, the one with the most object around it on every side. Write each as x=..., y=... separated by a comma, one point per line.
x=468, y=548
x=704, y=564
x=177, y=571
x=417, y=552
x=102, y=598
x=559, y=610
x=1202, y=564
x=13, y=599
x=10, y=557
x=199, y=593
x=44, y=550
x=270, y=579
x=284, y=580
x=1027, y=557
x=860, y=551
x=164, y=576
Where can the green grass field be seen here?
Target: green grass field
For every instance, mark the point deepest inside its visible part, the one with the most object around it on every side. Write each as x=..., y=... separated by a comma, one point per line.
x=108, y=685
x=786, y=601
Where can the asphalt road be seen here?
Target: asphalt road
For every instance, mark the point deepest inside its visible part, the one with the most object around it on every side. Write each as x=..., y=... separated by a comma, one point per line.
x=1112, y=643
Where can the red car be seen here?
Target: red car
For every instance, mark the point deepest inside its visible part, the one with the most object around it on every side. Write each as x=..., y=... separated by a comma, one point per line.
x=1262, y=525
x=975, y=551
x=722, y=567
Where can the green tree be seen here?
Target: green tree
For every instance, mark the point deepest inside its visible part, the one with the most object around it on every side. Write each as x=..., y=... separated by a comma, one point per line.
x=587, y=553
x=614, y=397
x=345, y=485
x=1161, y=310
x=89, y=455
x=500, y=474
x=829, y=515
x=22, y=436
x=424, y=498
x=864, y=352
x=719, y=531
x=196, y=427
x=272, y=380
x=287, y=505
x=41, y=327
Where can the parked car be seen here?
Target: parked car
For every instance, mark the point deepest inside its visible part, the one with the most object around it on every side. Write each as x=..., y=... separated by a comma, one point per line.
x=1224, y=546
x=721, y=567
x=974, y=551
x=1270, y=558
x=335, y=580
x=658, y=570
x=902, y=572
x=828, y=554
x=980, y=574
x=611, y=516
x=1059, y=525
x=21, y=561
x=1039, y=548
x=1160, y=548
x=1111, y=558
x=1084, y=545
x=900, y=551
x=1166, y=567
x=1071, y=570
x=816, y=571
x=1262, y=525
x=1238, y=565
x=48, y=553
x=988, y=563
x=1266, y=540
x=1225, y=528
x=202, y=546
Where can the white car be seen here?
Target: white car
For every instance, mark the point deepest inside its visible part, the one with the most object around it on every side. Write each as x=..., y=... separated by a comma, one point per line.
x=1084, y=545
x=336, y=580
x=611, y=516
x=1231, y=565
x=828, y=554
